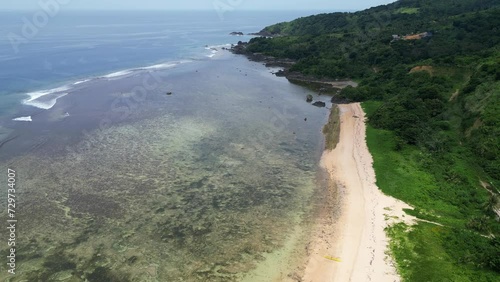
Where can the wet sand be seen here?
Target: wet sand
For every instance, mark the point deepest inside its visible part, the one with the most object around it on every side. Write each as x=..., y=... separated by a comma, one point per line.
x=353, y=246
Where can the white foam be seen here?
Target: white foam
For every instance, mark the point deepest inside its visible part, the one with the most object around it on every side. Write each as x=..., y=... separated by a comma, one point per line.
x=37, y=99
x=81, y=81
x=214, y=52
x=118, y=74
x=214, y=49
x=37, y=94
x=160, y=66
x=28, y=118
x=45, y=105
x=218, y=46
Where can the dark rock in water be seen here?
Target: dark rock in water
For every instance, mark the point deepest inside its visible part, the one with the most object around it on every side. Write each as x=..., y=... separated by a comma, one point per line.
x=305, y=119
x=169, y=93
x=309, y=98
x=319, y=104
x=240, y=48
x=237, y=33
x=280, y=73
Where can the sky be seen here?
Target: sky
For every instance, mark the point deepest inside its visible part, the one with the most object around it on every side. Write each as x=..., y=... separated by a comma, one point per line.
x=333, y=5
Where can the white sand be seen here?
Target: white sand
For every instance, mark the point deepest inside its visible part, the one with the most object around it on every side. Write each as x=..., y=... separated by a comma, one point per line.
x=356, y=235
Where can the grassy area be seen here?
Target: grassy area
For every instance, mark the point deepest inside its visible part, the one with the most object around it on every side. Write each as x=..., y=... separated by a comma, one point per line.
x=332, y=129
x=443, y=189
x=423, y=255
x=408, y=11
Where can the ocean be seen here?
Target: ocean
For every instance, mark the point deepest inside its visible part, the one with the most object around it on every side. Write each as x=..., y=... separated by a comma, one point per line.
x=77, y=46
x=144, y=151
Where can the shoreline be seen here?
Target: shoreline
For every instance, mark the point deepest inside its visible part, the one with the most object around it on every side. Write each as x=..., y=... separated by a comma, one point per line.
x=323, y=85
x=353, y=246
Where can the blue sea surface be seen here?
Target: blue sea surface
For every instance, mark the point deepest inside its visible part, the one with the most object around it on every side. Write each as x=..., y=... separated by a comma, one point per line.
x=76, y=46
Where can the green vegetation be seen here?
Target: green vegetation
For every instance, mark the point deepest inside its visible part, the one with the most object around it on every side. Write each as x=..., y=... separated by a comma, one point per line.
x=434, y=113
x=409, y=11
x=443, y=189
x=332, y=129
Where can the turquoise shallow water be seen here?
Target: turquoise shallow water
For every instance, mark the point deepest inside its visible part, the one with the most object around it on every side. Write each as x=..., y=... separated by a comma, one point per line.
x=201, y=185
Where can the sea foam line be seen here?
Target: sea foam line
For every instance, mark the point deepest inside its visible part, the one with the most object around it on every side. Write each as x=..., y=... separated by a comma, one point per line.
x=44, y=105
x=117, y=74
x=214, y=49
x=37, y=94
x=82, y=81
x=228, y=45
x=36, y=97
x=160, y=66
x=28, y=118
x=148, y=68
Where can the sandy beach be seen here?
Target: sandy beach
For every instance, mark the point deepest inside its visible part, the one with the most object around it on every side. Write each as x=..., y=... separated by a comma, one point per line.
x=349, y=242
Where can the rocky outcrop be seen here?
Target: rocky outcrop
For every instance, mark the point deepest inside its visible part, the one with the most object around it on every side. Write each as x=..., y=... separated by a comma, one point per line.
x=263, y=33
x=237, y=33
x=269, y=61
x=325, y=86
x=339, y=100
x=240, y=48
x=319, y=104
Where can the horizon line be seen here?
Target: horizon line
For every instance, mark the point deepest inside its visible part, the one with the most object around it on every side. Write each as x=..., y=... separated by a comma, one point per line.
x=182, y=10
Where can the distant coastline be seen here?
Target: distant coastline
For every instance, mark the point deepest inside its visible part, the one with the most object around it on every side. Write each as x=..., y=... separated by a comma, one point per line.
x=323, y=86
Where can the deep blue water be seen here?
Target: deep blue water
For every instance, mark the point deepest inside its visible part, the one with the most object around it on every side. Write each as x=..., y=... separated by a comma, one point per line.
x=75, y=46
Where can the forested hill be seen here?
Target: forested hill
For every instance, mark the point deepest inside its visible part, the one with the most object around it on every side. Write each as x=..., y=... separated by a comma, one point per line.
x=398, y=17
x=429, y=77
x=351, y=44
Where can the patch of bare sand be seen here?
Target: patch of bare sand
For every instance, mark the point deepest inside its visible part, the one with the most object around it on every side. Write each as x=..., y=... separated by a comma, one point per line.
x=428, y=69
x=353, y=245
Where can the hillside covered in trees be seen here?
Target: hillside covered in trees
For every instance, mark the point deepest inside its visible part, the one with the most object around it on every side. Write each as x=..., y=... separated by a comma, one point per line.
x=429, y=77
